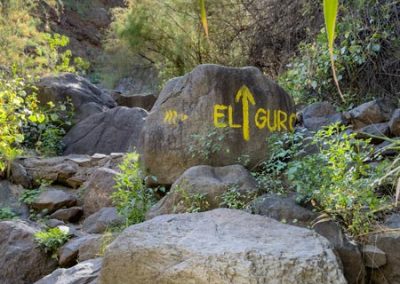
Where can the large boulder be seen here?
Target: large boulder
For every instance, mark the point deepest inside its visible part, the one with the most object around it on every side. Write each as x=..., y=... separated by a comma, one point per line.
x=376, y=111
x=106, y=218
x=85, y=272
x=389, y=243
x=214, y=116
x=98, y=190
x=320, y=114
x=116, y=130
x=208, y=182
x=21, y=259
x=86, y=97
x=9, y=198
x=219, y=246
x=52, y=199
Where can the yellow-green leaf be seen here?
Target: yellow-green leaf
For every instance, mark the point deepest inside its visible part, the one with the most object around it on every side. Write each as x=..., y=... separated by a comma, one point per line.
x=203, y=15
x=330, y=13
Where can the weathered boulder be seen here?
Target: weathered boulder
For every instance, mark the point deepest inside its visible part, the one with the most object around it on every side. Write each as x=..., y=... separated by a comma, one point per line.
x=377, y=129
x=145, y=101
x=115, y=130
x=21, y=260
x=394, y=123
x=86, y=97
x=389, y=243
x=283, y=209
x=320, y=114
x=98, y=190
x=213, y=116
x=376, y=111
x=104, y=219
x=348, y=252
x=72, y=214
x=85, y=272
x=9, y=195
x=52, y=199
x=373, y=256
x=219, y=246
x=71, y=170
x=209, y=182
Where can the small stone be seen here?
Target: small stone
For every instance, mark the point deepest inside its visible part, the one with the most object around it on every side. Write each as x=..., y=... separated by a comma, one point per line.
x=72, y=214
x=373, y=256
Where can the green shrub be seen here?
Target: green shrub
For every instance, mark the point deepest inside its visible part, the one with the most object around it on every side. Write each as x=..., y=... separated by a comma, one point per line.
x=132, y=198
x=52, y=239
x=7, y=213
x=28, y=196
x=232, y=198
x=191, y=202
x=368, y=38
x=339, y=181
x=269, y=174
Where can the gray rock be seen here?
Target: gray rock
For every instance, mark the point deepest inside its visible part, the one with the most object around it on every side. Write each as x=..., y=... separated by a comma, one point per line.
x=116, y=130
x=53, y=199
x=72, y=214
x=145, y=101
x=208, y=181
x=373, y=257
x=392, y=221
x=19, y=175
x=9, y=198
x=389, y=243
x=219, y=246
x=349, y=253
x=85, y=272
x=320, y=114
x=102, y=220
x=86, y=98
x=198, y=119
x=283, y=209
x=378, y=129
x=376, y=111
x=21, y=260
x=394, y=123
x=98, y=190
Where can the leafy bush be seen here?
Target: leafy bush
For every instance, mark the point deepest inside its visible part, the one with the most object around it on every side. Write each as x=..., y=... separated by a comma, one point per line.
x=269, y=174
x=366, y=59
x=6, y=213
x=28, y=196
x=52, y=239
x=339, y=181
x=232, y=198
x=132, y=198
x=191, y=202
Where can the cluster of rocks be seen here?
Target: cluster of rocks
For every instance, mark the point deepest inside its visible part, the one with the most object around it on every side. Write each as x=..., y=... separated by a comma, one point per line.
x=203, y=128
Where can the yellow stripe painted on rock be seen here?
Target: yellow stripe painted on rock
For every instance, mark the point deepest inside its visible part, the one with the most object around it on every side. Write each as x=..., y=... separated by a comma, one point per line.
x=245, y=95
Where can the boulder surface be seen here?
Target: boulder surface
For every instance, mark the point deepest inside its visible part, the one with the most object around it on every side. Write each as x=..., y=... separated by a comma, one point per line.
x=219, y=246
x=213, y=116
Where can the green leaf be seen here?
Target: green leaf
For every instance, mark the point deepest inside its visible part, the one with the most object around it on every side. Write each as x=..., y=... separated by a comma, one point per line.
x=330, y=14
x=203, y=15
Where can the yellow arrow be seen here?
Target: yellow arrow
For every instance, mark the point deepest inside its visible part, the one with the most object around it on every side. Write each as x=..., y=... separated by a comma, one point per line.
x=246, y=96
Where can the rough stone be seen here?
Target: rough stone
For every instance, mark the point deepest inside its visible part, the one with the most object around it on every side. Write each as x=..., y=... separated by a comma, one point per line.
x=53, y=199
x=349, y=253
x=9, y=198
x=85, y=272
x=394, y=123
x=389, y=243
x=102, y=220
x=320, y=114
x=373, y=257
x=21, y=260
x=283, y=209
x=98, y=190
x=86, y=98
x=209, y=182
x=219, y=246
x=198, y=119
x=145, y=101
x=376, y=111
x=72, y=214
x=378, y=129
x=115, y=130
